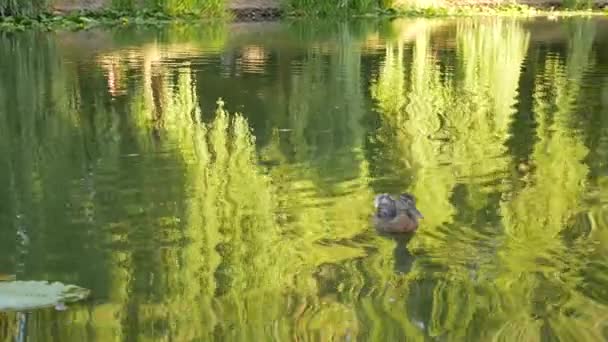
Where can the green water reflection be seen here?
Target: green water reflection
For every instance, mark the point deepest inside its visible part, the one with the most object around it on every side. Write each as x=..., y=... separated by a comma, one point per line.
x=246, y=219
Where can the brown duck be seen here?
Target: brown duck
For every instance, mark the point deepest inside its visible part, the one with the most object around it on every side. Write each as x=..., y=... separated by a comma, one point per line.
x=396, y=216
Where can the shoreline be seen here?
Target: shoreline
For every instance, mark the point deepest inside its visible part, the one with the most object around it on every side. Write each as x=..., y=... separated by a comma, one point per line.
x=244, y=14
x=82, y=19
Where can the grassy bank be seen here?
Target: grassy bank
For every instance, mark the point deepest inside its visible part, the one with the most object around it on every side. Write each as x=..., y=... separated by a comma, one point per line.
x=197, y=8
x=124, y=13
x=40, y=14
x=80, y=20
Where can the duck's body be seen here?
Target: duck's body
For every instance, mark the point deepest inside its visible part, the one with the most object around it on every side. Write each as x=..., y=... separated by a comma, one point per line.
x=396, y=216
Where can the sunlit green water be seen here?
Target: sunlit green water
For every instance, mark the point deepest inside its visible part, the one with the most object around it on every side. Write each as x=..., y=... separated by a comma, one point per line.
x=119, y=173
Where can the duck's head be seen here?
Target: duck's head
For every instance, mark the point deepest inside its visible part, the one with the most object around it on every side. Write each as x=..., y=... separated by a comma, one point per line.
x=408, y=203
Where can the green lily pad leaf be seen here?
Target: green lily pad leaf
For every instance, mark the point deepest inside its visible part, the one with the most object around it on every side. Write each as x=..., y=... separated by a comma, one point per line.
x=29, y=295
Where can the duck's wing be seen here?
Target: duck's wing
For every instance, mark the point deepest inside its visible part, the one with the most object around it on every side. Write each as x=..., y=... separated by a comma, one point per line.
x=385, y=206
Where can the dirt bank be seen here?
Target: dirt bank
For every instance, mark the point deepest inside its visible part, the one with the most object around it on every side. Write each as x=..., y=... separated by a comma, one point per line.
x=76, y=5
x=255, y=9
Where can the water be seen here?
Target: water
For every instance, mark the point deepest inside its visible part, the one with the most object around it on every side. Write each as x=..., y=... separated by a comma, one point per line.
x=119, y=174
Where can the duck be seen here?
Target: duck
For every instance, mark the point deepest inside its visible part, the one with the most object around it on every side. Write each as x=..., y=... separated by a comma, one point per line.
x=396, y=215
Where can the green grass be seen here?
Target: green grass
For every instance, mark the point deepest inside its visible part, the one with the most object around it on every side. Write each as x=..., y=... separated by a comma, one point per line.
x=16, y=15
x=206, y=8
x=331, y=8
x=80, y=20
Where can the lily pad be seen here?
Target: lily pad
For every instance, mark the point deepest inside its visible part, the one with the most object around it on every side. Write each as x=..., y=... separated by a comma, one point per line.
x=30, y=295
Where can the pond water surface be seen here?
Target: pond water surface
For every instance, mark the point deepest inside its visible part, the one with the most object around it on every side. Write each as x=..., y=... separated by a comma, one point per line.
x=119, y=173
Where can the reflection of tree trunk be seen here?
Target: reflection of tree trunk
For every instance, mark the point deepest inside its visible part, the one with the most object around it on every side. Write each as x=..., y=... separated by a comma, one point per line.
x=523, y=119
x=13, y=205
x=22, y=237
x=22, y=332
x=227, y=62
x=604, y=95
x=284, y=59
x=157, y=98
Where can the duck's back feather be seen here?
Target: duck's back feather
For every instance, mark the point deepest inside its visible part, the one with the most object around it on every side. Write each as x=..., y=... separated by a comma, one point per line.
x=385, y=206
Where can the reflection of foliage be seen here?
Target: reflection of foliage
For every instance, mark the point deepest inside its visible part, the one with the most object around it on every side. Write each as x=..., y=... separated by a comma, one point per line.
x=229, y=216
x=474, y=107
x=182, y=234
x=324, y=111
x=27, y=154
x=535, y=218
x=463, y=121
x=455, y=119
